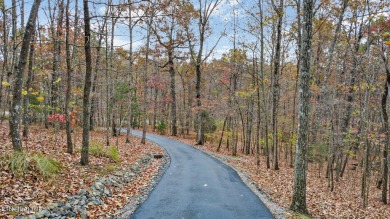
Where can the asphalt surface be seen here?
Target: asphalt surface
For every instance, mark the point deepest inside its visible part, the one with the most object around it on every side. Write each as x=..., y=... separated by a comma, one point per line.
x=196, y=185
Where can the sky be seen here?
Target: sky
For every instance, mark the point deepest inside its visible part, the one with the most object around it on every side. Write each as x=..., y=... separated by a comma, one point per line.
x=221, y=22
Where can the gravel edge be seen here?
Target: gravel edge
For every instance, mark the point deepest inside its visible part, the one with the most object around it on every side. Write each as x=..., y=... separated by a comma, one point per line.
x=136, y=201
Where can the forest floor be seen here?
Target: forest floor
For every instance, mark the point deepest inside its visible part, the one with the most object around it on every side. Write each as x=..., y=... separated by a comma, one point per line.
x=344, y=202
x=30, y=192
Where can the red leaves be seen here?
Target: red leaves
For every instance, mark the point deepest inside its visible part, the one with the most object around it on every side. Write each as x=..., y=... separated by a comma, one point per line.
x=57, y=118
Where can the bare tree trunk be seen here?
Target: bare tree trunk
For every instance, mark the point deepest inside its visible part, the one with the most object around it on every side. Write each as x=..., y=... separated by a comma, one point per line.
x=128, y=130
x=26, y=99
x=299, y=193
x=55, y=88
x=5, y=51
x=87, y=85
x=68, y=82
x=145, y=80
x=173, y=93
x=275, y=88
x=265, y=107
x=385, y=128
x=18, y=79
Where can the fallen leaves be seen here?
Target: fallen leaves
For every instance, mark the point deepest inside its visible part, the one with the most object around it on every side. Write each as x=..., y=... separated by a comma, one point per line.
x=33, y=192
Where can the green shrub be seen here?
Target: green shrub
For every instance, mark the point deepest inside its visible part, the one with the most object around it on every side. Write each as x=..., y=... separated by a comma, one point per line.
x=47, y=167
x=21, y=162
x=113, y=154
x=161, y=127
x=96, y=149
x=18, y=163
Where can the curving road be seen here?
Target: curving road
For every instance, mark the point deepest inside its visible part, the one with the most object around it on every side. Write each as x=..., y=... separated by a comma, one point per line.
x=196, y=185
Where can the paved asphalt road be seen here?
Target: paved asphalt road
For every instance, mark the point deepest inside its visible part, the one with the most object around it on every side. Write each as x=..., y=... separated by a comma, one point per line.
x=196, y=185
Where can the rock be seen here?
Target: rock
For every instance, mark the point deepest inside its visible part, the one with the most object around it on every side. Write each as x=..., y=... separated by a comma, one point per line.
x=43, y=213
x=52, y=205
x=95, y=192
x=82, y=202
x=135, y=168
x=75, y=202
x=99, y=185
x=82, y=192
x=67, y=207
x=107, y=192
x=71, y=214
x=32, y=217
x=54, y=215
x=83, y=215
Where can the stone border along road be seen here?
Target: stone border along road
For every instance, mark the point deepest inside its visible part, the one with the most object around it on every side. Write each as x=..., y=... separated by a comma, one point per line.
x=196, y=185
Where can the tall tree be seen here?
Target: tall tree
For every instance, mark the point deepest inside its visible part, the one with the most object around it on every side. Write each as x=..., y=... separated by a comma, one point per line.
x=275, y=88
x=87, y=85
x=18, y=79
x=170, y=33
x=205, y=10
x=68, y=80
x=5, y=49
x=299, y=193
x=149, y=20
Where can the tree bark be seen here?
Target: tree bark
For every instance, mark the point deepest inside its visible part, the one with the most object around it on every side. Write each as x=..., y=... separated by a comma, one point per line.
x=145, y=79
x=55, y=88
x=385, y=94
x=275, y=88
x=26, y=99
x=299, y=192
x=87, y=85
x=5, y=51
x=18, y=79
x=68, y=83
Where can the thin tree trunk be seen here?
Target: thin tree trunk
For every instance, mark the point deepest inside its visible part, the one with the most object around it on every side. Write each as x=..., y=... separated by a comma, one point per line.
x=87, y=85
x=5, y=51
x=68, y=123
x=128, y=130
x=26, y=100
x=299, y=190
x=173, y=93
x=385, y=172
x=55, y=85
x=18, y=80
x=145, y=81
x=275, y=87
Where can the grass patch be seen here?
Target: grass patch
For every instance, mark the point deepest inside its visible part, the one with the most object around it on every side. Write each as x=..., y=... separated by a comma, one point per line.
x=113, y=154
x=47, y=166
x=18, y=163
x=97, y=149
x=21, y=163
